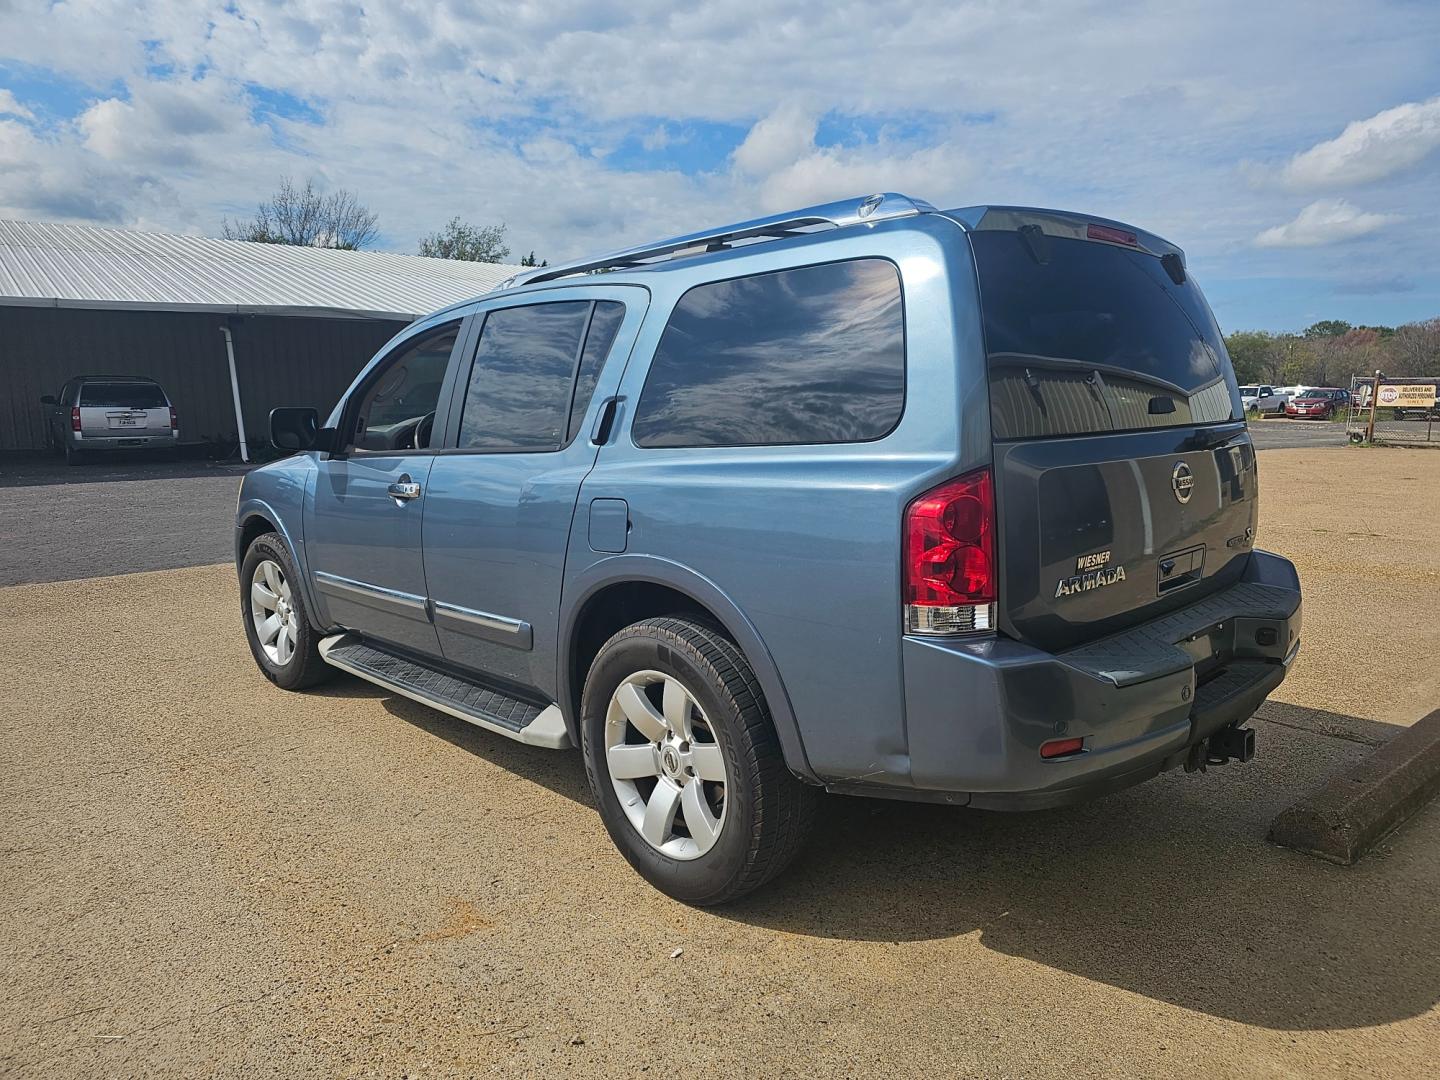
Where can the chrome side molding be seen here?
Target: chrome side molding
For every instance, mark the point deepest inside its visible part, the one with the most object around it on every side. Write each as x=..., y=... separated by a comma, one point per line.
x=391, y=601
x=513, y=632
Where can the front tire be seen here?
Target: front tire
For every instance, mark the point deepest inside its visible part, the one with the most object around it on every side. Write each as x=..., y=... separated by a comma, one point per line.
x=685, y=764
x=277, y=626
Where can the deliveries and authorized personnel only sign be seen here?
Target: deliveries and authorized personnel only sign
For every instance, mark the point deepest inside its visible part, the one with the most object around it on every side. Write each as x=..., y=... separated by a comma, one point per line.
x=1407, y=395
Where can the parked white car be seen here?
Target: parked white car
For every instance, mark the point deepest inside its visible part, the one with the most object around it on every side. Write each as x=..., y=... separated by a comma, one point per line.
x=1263, y=399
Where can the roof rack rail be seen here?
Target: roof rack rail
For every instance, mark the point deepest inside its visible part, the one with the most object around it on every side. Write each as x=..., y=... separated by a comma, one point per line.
x=878, y=207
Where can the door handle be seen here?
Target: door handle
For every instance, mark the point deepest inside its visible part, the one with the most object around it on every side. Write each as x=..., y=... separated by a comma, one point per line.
x=605, y=421
x=402, y=489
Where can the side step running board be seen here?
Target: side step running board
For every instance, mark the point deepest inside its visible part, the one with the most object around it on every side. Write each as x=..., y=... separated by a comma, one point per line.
x=484, y=706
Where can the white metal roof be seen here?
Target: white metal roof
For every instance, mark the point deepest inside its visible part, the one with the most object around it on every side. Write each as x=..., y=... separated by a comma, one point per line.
x=82, y=266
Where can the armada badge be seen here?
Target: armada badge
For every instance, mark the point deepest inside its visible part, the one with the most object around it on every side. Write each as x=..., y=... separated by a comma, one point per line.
x=1093, y=571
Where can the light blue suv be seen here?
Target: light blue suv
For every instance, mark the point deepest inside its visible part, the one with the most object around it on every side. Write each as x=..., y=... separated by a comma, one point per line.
x=870, y=498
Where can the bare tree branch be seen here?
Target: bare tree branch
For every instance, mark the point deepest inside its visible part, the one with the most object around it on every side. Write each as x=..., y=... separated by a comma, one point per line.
x=307, y=218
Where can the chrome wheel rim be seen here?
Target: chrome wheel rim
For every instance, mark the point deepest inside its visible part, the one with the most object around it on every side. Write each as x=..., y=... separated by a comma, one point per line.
x=665, y=765
x=272, y=612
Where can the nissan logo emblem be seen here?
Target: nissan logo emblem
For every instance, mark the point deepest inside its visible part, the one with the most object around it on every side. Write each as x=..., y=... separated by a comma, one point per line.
x=1182, y=482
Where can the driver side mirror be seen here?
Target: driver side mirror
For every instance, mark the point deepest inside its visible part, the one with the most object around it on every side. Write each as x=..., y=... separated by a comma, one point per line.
x=293, y=428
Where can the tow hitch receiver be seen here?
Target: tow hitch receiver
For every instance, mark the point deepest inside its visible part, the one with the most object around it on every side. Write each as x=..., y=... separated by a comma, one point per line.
x=1227, y=744
x=1231, y=743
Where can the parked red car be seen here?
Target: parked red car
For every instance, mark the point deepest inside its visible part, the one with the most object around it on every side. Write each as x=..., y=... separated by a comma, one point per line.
x=1320, y=403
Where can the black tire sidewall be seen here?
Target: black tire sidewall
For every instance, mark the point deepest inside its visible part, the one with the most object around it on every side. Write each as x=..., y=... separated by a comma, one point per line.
x=292, y=675
x=712, y=875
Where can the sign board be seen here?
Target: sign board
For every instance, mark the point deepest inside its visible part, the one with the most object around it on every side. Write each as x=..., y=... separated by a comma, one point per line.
x=1407, y=395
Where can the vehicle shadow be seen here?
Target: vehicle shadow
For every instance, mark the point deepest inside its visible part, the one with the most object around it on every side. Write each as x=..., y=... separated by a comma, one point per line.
x=563, y=772
x=1168, y=890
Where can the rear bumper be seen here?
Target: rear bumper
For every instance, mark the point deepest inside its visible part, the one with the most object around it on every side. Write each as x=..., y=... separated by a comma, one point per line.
x=977, y=713
x=123, y=442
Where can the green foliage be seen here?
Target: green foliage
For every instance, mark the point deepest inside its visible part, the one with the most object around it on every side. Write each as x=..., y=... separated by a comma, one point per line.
x=1249, y=352
x=529, y=260
x=1329, y=352
x=471, y=243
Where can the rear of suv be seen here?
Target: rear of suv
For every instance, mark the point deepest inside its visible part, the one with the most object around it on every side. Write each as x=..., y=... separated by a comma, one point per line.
x=97, y=413
x=869, y=498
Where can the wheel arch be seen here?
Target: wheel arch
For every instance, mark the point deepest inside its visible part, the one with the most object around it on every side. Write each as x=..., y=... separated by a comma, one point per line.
x=625, y=589
x=256, y=518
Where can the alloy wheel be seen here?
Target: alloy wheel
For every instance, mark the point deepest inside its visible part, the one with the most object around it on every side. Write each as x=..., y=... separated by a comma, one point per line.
x=666, y=766
x=277, y=625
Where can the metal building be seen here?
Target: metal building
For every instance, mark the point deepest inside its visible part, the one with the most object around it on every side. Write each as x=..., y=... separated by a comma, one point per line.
x=78, y=300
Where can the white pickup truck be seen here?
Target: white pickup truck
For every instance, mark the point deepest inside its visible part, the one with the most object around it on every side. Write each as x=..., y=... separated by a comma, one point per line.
x=1263, y=399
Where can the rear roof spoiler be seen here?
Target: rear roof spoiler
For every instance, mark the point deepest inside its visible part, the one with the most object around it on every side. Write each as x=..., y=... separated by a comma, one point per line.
x=1060, y=223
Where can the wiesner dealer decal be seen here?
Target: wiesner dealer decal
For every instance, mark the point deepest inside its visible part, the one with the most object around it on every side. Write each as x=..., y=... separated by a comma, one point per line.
x=1093, y=571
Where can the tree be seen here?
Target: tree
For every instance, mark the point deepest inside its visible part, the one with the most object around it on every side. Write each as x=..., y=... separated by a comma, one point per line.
x=305, y=217
x=1327, y=328
x=1415, y=350
x=1250, y=353
x=462, y=240
x=529, y=260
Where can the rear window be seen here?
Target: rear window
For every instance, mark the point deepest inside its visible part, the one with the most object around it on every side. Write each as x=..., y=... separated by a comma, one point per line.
x=806, y=356
x=122, y=395
x=1086, y=337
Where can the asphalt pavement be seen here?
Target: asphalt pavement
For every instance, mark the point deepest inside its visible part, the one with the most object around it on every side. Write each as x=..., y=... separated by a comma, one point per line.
x=1298, y=434
x=62, y=522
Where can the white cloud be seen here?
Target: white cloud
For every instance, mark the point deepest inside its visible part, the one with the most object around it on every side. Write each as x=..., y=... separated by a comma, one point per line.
x=10, y=106
x=1370, y=149
x=777, y=141
x=590, y=126
x=1325, y=221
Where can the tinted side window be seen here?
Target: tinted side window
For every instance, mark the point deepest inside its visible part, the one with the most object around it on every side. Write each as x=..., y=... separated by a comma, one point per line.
x=598, y=338
x=396, y=410
x=811, y=355
x=519, y=397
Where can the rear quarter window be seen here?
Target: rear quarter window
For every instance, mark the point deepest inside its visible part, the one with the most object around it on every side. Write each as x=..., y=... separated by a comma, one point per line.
x=805, y=356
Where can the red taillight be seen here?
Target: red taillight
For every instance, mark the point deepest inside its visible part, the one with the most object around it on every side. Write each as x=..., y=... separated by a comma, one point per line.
x=950, y=584
x=1060, y=747
x=1113, y=235
x=174, y=421
x=75, y=418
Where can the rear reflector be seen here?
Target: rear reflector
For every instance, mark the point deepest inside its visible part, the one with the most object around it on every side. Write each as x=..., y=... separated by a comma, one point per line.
x=949, y=558
x=1060, y=747
x=75, y=419
x=1111, y=234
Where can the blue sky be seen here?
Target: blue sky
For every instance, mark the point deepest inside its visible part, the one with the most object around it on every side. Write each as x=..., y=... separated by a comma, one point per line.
x=1292, y=148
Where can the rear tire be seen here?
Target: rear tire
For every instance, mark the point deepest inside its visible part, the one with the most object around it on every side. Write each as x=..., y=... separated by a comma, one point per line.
x=73, y=456
x=277, y=626
x=710, y=811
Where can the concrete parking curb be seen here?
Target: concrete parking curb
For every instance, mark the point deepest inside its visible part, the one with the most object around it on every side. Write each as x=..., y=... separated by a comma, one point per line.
x=1347, y=815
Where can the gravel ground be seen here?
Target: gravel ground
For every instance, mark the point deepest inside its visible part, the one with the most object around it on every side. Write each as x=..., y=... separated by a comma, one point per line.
x=204, y=875
x=1362, y=526
x=63, y=522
